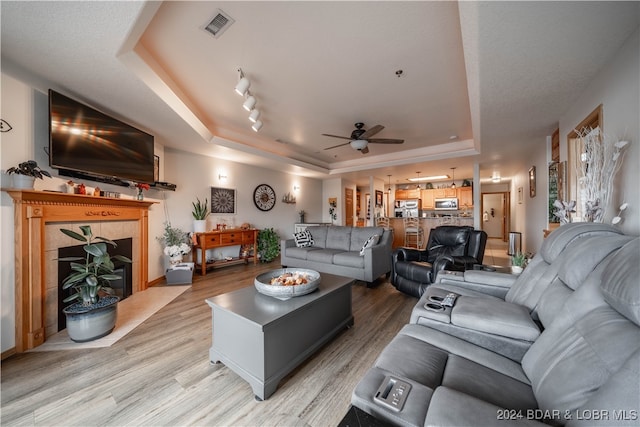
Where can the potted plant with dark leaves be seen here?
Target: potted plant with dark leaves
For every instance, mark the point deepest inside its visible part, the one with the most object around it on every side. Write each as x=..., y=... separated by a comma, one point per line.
x=200, y=212
x=24, y=175
x=268, y=245
x=94, y=309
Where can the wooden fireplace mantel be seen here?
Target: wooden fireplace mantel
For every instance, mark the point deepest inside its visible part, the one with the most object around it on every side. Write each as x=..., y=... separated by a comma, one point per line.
x=32, y=211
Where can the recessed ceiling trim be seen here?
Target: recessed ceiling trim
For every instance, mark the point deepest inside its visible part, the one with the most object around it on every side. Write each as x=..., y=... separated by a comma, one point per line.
x=220, y=22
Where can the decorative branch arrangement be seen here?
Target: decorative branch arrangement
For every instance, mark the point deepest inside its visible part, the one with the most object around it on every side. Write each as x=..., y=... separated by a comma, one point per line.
x=600, y=161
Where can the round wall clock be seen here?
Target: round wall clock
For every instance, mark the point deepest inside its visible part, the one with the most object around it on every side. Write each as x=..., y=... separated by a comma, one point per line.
x=264, y=197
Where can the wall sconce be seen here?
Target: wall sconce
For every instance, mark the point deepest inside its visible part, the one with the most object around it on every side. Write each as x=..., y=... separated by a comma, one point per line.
x=296, y=188
x=495, y=177
x=222, y=178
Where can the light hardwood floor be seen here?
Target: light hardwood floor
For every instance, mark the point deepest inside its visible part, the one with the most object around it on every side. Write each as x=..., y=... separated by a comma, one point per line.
x=160, y=375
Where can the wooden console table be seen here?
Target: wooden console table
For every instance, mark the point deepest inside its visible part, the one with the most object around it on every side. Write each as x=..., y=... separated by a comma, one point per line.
x=218, y=239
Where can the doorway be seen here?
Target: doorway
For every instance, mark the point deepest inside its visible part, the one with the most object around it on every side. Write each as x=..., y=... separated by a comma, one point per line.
x=495, y=212
x=348, y=203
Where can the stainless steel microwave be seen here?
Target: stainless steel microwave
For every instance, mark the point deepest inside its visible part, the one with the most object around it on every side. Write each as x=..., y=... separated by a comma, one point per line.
x=446, y=204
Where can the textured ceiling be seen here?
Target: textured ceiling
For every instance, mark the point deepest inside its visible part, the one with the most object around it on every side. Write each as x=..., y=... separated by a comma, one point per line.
x=498, y=75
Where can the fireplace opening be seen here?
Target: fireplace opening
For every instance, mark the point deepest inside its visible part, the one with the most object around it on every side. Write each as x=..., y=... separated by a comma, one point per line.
x=122, y=287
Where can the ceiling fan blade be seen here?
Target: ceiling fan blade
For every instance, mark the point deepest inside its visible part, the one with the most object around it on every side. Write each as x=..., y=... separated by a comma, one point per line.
x=337, y=136
x=365, y=150
x=371, y=131
x=386, y=141
x=339, y=145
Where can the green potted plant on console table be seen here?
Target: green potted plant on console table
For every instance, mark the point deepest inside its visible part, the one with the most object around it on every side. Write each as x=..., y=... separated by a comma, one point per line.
x=24, y=175
x=200, y=213
x=94, y=313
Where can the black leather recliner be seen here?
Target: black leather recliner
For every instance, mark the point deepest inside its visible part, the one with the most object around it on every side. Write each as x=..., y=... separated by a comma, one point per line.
x=449, y=247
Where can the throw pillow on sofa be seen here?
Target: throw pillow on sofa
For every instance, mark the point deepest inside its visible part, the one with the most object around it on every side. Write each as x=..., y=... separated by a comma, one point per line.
x=369, y=242
x=303, y=239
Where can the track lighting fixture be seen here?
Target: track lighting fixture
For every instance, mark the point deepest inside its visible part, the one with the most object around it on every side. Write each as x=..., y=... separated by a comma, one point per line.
x=249, y=103
x=257, y=125
x=254, y=116
x=243, y=84
x=453, y=177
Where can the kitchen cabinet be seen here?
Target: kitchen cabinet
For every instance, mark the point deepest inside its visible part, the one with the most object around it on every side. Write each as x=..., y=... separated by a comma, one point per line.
x=465, y=197
x=445, y=192
x=407, y=194
x=427, y=197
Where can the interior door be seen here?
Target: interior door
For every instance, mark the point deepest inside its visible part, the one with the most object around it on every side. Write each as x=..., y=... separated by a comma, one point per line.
x=494, y=215
x=348, y=203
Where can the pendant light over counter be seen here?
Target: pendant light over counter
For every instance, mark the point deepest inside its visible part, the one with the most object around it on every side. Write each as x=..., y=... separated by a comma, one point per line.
x=453, y=177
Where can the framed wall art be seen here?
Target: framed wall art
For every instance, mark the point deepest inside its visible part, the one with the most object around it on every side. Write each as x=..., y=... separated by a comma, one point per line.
x=223, y=200
x=532, y=181
x=378, y=198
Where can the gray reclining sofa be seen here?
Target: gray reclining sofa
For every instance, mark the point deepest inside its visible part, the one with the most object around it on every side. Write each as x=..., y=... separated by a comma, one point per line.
x=582, y=369
x=336, y=250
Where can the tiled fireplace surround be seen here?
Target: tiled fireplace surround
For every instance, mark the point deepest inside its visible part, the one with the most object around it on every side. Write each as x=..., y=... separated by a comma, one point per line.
x=38, y=219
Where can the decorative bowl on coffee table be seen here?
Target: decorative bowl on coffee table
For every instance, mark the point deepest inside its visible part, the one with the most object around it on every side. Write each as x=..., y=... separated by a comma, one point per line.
x=263, y=283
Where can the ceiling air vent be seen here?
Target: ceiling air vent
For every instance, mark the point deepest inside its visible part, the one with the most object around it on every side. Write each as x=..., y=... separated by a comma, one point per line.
x=219, y=24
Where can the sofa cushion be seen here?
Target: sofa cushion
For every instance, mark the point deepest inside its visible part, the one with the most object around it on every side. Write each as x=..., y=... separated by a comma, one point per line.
x=322, y=255
x=300, y=253
x=319, y=235
x=348, y=259
x=494, y=317
x=339, y=237
x=447, y=240
x=371, y=241
x=359, y=235
x=303, y=239
x=557, y=241
x=622, y=270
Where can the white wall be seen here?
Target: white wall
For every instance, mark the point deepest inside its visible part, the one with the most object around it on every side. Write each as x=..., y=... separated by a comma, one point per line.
x=195, y=175
x=617, y=88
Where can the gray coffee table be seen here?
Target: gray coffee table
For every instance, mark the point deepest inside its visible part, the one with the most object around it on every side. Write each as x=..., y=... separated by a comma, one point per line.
x=262, y=338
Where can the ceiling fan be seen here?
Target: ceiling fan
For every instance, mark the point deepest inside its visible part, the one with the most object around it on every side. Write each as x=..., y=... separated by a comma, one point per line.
x=360, y=138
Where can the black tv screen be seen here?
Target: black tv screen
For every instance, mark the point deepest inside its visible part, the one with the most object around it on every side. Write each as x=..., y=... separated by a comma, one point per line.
x=84, y=140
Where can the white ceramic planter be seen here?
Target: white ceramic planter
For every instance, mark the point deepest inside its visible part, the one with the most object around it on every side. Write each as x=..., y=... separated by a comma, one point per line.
x=200, y=225
x=23, y=182
x=516, y=269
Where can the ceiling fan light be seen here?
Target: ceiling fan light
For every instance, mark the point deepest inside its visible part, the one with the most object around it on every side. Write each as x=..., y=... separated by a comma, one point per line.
x=254, y=116
x=256, y=126
x=243, y=86
x=249, y=103
x=358, y=144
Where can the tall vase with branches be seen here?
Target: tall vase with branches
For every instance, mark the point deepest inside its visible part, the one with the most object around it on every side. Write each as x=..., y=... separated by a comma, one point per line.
x=601, y=159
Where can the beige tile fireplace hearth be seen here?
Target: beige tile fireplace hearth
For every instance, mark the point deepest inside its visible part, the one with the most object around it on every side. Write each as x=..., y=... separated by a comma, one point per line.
x=38, y=218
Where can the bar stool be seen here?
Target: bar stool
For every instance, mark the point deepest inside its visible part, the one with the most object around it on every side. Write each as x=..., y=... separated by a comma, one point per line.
x=413, y=233
x=382, y=222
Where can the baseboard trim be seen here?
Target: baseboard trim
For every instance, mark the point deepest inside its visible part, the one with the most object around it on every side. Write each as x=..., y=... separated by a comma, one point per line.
x=8, y=353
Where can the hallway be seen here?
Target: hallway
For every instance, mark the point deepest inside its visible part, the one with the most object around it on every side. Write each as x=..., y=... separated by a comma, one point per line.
x=495, y=253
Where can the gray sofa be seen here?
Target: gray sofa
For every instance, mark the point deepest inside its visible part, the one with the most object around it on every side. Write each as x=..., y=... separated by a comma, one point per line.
x=583, y=368
x=336, y=250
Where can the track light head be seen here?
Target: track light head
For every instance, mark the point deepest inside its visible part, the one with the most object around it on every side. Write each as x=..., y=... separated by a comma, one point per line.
x=249, y=103
x=256, y=126
x=243, y=86
x=254, y=116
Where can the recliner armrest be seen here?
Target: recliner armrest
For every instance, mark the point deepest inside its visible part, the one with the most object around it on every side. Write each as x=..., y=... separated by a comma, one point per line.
x=486, y=282
x=406, y=254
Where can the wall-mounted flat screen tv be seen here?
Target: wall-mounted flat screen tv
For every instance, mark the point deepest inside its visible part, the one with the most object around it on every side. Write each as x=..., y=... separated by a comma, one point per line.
x=86, y=141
